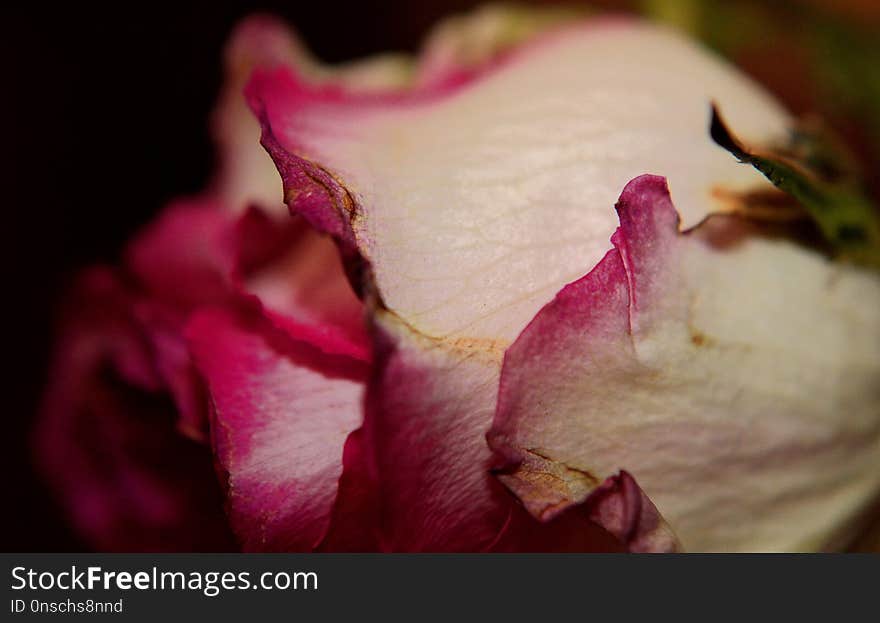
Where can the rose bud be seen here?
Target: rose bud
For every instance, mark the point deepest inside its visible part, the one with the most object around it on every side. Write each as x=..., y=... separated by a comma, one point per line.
x=562, y=316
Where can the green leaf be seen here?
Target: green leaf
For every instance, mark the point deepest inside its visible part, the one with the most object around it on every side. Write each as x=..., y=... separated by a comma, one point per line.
x=812, y=170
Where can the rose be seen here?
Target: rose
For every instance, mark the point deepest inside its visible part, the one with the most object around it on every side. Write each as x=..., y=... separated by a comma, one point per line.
x=731, y=373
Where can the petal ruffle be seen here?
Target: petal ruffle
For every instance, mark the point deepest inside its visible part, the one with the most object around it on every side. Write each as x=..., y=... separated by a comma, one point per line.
x=246, y=175
x=428, y=405
x=304, y=289
x=751, y=427
x=620, y=506
x=282, y=411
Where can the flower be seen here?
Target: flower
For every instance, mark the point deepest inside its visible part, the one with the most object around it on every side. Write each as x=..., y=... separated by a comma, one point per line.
x=457, y=343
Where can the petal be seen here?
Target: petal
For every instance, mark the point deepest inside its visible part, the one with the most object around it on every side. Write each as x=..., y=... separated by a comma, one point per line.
x=428, y=406
x=162, y=327
x=107, y=439
x=354, y=524
x=282, y=411
x=460, y=47
x=469, y=204
x=448, y=192
x=734, y=374
x=572, y=531
x=186, y=256
x=616, y=517
x=246, y=175
x=196, y=254
x=305, y=290
x=621, y=507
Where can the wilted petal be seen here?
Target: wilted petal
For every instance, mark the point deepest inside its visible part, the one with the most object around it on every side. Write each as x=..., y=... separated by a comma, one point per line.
x=572, y=531
x=733, y=374
x=622, y=508
x=428, y=406
x=305, y=290
x=616, y=517
x=472, y=202
x=162, y=327
x=450, y=192
x=196, y=254
x=354, y=523
x=282, y=410
x=107, y=439
x=246, y=175
x=461, y=47
x=186, y=256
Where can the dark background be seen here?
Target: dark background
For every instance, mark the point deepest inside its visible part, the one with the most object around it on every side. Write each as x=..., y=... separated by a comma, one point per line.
x=106, y=108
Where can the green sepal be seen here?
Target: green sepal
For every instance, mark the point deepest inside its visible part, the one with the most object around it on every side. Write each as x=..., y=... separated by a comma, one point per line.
x=810, y=171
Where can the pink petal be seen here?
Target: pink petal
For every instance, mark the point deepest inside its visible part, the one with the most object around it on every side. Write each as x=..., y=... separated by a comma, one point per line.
x=186, y=256
x=354, y=525
x=196, y=254
x=461, y=209
x=245, y=176
x=428, y=404
x=622, y=508
x=447, y=192
x=107, y=439
x=416, y=189
x=162, y=326
x=592, y=310
x=682, y=359
x=427, y=409
x=282, y=411
x=304, y=288
x=617, y=516
x=572, y=531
